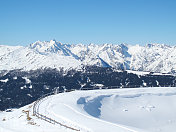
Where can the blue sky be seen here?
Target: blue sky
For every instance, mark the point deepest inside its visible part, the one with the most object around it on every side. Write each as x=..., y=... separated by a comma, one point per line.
x=88, y=21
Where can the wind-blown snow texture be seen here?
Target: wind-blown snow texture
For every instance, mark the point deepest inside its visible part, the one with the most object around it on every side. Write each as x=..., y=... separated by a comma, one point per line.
x=53, y=54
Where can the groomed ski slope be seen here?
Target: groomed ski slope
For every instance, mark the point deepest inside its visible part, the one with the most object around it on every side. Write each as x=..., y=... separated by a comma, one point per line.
x=118, y=110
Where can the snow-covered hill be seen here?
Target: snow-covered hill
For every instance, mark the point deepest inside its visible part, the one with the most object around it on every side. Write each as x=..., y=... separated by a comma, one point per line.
x=26, y=58
x=118, y=110
x=53, y=54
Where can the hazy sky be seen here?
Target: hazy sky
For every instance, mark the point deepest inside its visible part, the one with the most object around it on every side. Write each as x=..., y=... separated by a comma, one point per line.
x=88, y=21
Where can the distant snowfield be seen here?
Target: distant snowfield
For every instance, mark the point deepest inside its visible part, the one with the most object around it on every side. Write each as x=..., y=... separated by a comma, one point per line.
x=118, y=110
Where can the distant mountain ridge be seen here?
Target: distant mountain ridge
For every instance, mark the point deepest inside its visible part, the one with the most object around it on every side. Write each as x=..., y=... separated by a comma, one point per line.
x=53, y=54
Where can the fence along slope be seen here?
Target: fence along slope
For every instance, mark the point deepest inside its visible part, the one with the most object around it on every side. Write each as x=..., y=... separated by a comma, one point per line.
x=45, y=118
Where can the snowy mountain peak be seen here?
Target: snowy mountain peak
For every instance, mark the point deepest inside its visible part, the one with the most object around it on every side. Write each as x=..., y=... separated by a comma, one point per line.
x=51, y=46
x=124, y=45
x=53, y=41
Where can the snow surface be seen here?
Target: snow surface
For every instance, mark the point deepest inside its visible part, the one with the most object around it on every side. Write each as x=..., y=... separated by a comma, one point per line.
x=16, y=121
x=4, y=81
x=27, y=80
x=150, y=58
x=117, y=110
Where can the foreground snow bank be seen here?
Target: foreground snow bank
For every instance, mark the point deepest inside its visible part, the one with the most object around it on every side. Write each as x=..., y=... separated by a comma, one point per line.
x=153, y=112
x=150, y=109
x=118, y=110
x=16, y=121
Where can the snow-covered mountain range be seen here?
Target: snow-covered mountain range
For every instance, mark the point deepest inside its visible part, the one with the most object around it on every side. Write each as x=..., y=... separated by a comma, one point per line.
x=53, y=54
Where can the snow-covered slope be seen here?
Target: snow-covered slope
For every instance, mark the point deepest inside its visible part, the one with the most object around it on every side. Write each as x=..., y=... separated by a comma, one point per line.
x=27, y=58
x=150, y=109
x=118, y=110
x=16, y=121
x=152, y=57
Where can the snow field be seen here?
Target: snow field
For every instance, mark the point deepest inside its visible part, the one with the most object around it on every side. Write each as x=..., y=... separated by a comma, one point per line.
x=144, y=109
x=116, y=110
